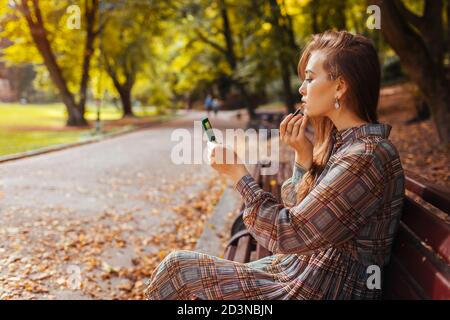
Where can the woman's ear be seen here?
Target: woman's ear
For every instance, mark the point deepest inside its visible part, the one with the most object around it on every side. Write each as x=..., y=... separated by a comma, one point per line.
x=341, y=87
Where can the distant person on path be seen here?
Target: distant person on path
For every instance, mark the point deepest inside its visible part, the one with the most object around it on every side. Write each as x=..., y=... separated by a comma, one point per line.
x=208, y=103
x=331, y=235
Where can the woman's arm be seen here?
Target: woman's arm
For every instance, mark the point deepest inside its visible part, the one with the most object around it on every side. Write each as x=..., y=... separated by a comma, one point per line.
x=288, y=189
x=330, y=214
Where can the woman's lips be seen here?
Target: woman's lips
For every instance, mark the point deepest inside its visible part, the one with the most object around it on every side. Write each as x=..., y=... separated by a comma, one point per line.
x=303, y=107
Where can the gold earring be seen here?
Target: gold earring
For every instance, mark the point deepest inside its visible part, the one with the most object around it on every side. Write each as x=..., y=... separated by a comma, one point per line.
x=336, y=103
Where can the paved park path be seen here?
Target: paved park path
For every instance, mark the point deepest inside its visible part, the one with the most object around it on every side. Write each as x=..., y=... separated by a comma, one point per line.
x=74, y=223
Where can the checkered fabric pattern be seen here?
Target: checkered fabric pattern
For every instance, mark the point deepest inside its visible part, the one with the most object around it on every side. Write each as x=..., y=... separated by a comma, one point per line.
x=322, y=246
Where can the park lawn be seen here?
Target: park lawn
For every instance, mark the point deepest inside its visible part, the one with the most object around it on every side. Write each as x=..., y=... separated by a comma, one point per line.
x=33, y=126
x=15, y=141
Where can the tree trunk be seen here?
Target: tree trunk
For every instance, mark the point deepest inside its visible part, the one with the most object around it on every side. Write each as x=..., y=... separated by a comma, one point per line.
x=439, y=103
x=314, y=7
x=230, y=55
x=75, y=118
x=418, y=56
x=125, y=98
x=340, y=12
x=123, y=89
x=286, y=76
x=39, y=36
x=281, y=37
x=249, y=103
x=227, y=33
x=448, y=32
x=90, y=14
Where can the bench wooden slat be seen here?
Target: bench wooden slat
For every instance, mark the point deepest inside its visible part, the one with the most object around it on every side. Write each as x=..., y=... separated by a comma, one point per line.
x=266, y=183
x=261, y=252
x=434, y=281
x=243, y=249
x=235, y=238
x=398, y=285
x=253, y=256
x=431, y=229
x=230, y=252
x=432, y=194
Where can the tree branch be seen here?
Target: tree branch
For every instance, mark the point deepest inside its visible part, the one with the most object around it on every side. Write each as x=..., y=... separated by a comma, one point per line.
x=433, y=9
x=411, y=17
x=23, y=7
x=37, y=12
x=210, y=42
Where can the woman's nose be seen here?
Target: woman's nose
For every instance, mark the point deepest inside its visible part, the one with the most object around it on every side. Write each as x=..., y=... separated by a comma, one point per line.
x=302, y=88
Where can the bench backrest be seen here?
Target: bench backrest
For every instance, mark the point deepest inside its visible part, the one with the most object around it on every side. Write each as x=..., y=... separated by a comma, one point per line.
x=420, y=261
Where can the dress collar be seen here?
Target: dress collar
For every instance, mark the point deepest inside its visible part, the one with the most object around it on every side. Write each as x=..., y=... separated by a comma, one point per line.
x=369, y=129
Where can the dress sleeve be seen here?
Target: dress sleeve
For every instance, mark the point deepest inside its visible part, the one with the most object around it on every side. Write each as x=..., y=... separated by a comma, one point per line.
x=288, y=189
x=332, y=213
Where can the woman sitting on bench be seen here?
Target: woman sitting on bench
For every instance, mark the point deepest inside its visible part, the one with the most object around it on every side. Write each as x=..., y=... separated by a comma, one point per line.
x=341, y=207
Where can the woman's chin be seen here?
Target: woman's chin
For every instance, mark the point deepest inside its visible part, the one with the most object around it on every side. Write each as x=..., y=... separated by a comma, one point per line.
x=307, y=111
x=312, y=113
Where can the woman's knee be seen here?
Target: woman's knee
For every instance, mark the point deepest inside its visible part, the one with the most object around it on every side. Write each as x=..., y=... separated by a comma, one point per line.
x=178, y=257
x=173, y=263
x=176, y=268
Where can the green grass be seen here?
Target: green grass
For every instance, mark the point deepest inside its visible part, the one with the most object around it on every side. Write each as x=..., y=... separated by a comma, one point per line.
x=55, y=114
x=14, y=142
x=29, y=127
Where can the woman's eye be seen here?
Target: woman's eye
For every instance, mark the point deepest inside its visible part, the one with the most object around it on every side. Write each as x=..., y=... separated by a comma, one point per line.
x=308, y=80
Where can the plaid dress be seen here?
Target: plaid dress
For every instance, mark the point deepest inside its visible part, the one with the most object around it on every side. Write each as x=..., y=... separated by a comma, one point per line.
x=324, y=247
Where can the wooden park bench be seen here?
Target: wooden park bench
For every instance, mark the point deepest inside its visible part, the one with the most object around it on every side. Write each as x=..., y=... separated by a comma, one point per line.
x=420, y=262
x=266, y=120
